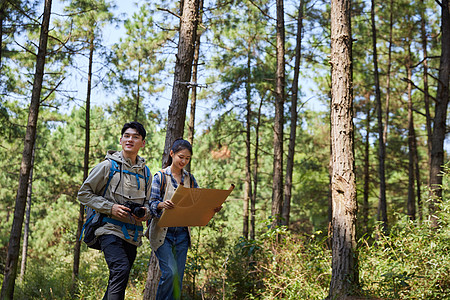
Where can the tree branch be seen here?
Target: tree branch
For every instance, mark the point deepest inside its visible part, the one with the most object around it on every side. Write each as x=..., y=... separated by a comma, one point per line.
x=414, y=85
x=261, y=10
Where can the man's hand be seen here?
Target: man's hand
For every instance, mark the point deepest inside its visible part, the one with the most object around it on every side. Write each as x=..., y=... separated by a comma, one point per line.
x=120, y=211
x=123, y=212
x=145, y=217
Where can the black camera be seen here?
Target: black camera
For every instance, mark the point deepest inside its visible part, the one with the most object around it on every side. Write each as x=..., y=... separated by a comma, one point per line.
x=136, y=209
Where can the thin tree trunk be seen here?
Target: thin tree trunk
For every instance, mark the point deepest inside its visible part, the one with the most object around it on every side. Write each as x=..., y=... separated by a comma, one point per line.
x=440, y=115
x=382, y=207
x=426, y=96
x=12, y=256
x=277, y=185
x=293, y=130
x=138, y=96
x=191, y=125
x=182, y=76
x=344, y=274
x=248, y=170
x=26, y=232
x=77, y=248
x=388, y=74
x=255, y=175
x=365, y=211
x=2, y=17
x=417, y=175
x=411, y=203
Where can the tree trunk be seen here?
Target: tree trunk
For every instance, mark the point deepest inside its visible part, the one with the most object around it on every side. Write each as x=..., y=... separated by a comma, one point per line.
x=440, y=115
x=153, y=275
x=178, y=104
x=191, y=125
x=248, y=170
x=382, y=207
x=2, y=17
x=26, y=232
x=365, y=212
x=344, y=275
x=411, y=203
x=388, y=73
x=293, y=130
x=12, y=257
x=426, y=96
x=182, y=76
x=77, y=248
x=138, y=94
x=277, y=185
x=255, y=175
x=417, y=175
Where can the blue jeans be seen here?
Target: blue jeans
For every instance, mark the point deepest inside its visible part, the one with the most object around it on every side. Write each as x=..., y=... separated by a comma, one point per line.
x=120, y=256
x=172, y=260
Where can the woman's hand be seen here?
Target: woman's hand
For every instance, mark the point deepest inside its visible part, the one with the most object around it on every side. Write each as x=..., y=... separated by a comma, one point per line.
x=166, y=205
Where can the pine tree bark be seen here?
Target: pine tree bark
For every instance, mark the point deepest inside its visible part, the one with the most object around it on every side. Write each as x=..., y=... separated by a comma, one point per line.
x=277, y=185
x=182, y=76
x=344, y=276
x=12, y=256
x=191, y=125
x=294, y=115
x=153, y=275
x=440, y=115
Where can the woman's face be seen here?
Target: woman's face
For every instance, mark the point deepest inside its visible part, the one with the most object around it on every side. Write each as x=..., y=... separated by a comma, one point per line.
x=181, y=158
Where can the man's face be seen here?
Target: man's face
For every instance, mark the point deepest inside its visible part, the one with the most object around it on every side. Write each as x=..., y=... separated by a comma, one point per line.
x=131, y=141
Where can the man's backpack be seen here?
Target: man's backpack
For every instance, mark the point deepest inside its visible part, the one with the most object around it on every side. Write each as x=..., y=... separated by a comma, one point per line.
x=95, y=220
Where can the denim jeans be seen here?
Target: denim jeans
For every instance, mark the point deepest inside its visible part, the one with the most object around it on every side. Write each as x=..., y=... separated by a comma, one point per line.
x=172, y=260
x=120, y=256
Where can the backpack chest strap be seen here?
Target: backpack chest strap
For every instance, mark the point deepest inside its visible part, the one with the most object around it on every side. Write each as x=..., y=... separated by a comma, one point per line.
x=125, y=227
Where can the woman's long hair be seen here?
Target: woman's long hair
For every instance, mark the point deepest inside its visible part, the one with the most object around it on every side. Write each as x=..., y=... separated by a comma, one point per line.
x=177, y=146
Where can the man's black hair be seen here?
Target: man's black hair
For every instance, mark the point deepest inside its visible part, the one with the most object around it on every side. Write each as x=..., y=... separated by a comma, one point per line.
x=135, y=125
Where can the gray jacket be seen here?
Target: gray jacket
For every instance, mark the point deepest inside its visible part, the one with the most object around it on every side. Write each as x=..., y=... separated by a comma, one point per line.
x=123, y=187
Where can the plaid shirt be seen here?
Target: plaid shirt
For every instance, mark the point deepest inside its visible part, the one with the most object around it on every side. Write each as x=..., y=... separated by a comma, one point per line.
x=155, y=195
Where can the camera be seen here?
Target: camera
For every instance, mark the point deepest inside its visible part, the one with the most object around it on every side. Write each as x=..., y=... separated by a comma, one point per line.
x=136, y=209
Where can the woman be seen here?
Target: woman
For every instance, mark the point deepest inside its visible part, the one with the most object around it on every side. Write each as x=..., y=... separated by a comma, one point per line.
x=171, y=243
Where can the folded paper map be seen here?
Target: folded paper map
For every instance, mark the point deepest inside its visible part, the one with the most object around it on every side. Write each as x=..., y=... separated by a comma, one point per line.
x=193, y=207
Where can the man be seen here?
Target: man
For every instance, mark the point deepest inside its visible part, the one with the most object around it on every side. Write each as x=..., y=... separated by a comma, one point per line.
x=121, y=233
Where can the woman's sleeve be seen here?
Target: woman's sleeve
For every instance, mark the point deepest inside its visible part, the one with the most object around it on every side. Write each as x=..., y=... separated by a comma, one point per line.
x=155, y=196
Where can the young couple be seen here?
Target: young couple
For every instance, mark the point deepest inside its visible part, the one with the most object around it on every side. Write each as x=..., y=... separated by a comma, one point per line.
x=122, y=232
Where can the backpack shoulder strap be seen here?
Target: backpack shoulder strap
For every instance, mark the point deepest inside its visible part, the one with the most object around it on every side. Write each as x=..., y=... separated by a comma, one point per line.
x=163, y=183
x=191, y=180
x=112, y=170
x=147, y=175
